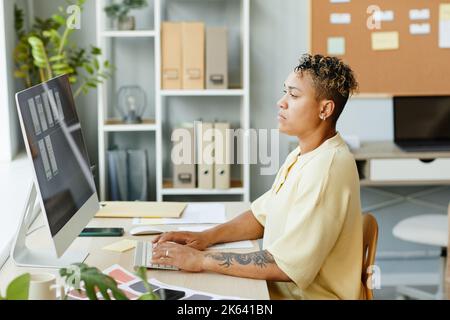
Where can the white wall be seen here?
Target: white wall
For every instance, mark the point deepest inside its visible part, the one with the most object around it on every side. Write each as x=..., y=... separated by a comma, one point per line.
x=279, y=35
x=4, y=114
x=10, y=137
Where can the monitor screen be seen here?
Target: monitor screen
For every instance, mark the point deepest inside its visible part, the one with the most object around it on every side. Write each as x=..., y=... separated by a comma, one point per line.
x=57, y=148
x=422, y=119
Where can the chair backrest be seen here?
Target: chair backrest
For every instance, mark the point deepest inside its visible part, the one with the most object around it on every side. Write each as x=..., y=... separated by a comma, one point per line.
x=370, y=237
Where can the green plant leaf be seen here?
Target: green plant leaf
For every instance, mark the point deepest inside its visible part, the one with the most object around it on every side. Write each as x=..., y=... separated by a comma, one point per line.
x=24, y=67
x=113, y=10
x=35, y=41
x=22, y=56
x=149, y=295
x=59, y=19
x=96, y=51
x=57, y=58
x=60, y=66
x=88, y=68
x=40, y=57
x=94, y=280
x=96, y=64
x=20, y=74
x=18, y=289
x=73, y=79
x=22, y=47
x=18, y=20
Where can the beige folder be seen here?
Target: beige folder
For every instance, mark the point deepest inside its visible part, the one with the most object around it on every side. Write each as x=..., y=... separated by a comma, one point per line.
x=138, y=209
x=205, y=154
x=171, y=51
x=216, y=58
x=222, y=153
x=193, y=62
x=184, y=169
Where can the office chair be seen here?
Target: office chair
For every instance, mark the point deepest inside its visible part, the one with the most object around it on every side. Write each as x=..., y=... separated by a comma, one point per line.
x=370, y=238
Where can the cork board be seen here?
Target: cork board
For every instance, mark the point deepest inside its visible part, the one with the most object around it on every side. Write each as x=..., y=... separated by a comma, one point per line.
x=418, y=67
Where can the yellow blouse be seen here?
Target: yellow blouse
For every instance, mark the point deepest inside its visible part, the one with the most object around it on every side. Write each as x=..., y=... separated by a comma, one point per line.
x=313, y=224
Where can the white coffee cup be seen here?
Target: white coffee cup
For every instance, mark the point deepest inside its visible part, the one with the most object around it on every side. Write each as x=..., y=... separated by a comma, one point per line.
x=42, y=287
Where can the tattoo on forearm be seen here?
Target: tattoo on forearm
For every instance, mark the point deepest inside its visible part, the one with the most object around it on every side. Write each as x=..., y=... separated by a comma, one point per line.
x=260, y=259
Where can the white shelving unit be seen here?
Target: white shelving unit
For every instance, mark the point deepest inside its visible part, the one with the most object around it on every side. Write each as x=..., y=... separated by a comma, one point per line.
x=128, y=34
x=129, y=127
x=105, y=127
x=210, y=93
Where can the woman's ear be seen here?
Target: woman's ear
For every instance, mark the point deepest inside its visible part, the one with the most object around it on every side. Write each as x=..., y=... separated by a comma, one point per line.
x=327, y=109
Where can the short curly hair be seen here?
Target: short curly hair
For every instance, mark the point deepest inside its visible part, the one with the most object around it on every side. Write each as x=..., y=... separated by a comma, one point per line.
x=332, y=79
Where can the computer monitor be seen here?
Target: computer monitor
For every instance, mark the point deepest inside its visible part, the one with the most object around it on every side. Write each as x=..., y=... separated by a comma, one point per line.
x=422, y=123
x=62, y=182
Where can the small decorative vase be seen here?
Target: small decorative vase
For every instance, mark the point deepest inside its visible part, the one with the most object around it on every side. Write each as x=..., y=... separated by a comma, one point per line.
x=127, y=23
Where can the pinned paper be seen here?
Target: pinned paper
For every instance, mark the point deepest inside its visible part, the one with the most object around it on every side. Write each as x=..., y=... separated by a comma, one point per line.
x=340, y=18
x=444, y=25
x=387, y=15
x=420, y=28
x=385, y=40
x=444, y=12
x=121, y=246
x=419, y=14
x=336, y=46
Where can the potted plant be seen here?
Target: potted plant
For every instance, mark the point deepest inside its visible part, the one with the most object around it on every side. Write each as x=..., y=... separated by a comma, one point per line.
x=92, y=278
x=95, y=281
x=45, y=51
x=119, y=12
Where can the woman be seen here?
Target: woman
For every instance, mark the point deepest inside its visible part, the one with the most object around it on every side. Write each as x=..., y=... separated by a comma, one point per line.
x=311, y=218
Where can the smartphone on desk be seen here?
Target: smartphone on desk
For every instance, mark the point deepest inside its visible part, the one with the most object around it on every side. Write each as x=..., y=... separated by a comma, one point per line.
x=102, y=232
x=169, y=294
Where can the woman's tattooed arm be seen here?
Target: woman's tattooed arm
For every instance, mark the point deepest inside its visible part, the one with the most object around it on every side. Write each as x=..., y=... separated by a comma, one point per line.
x=255, y=265
x=260, y=259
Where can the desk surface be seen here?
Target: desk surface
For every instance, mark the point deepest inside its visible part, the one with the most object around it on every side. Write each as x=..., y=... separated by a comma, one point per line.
x=389, y=150
x=209, y=282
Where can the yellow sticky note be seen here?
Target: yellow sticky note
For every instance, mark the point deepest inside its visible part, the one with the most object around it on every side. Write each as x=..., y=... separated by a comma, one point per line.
x=121, y=246
x=444, y=12
x=385, y=40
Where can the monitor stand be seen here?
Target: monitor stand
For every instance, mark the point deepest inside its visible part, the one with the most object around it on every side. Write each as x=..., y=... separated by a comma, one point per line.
x=26, y=257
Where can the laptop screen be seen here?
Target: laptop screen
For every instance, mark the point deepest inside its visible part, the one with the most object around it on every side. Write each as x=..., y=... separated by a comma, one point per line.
x=422, y=119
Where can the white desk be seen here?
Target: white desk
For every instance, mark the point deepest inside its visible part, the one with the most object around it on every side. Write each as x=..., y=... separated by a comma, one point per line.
x=209, y=282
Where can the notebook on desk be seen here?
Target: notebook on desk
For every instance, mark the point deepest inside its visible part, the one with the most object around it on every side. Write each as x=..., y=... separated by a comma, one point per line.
x=140, y=209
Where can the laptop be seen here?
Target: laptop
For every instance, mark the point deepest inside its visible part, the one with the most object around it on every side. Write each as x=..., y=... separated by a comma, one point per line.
x=422, y=123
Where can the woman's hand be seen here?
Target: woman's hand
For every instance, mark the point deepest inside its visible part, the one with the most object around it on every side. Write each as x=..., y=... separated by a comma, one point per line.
x=180, y=256
x=196, y=240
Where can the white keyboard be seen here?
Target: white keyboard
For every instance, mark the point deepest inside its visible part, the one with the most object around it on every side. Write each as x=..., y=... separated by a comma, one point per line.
x=143, y=257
